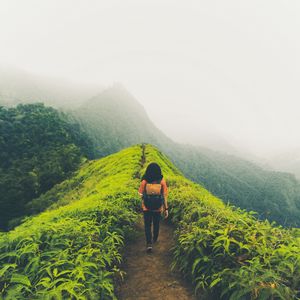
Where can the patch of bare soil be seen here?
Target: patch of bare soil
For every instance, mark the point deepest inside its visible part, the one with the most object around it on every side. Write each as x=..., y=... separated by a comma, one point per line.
x=149, y=276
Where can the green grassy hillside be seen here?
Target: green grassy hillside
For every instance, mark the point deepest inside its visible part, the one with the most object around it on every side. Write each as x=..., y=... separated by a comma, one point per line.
x=225, y=250
x=72, y=250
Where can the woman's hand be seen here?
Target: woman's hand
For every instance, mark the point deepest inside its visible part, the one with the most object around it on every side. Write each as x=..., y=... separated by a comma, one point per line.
x=166, y=213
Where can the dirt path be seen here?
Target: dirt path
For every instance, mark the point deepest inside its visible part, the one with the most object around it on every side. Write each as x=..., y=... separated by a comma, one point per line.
x=148, y=276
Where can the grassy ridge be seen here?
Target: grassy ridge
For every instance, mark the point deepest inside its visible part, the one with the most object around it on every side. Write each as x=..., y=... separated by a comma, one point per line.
x=72, y=250
x=226, y=250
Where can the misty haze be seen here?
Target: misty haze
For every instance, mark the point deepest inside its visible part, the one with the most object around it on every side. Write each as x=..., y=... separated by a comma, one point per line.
x=92, y=92
x=222, y=73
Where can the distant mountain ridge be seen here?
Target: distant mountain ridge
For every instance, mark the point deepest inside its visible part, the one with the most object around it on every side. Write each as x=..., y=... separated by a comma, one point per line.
x=114, y=120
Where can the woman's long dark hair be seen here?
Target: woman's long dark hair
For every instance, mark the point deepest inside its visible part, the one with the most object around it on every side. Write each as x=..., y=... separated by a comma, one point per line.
x=153, y=173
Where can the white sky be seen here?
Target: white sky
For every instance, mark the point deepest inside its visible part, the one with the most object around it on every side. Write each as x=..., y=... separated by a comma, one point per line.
x=199, y=67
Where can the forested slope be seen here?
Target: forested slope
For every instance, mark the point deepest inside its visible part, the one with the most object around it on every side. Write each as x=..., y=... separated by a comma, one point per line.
x=39, y=148
x=273, y=195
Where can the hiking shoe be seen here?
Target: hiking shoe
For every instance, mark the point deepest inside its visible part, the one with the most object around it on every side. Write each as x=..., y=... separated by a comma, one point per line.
x=149, y=248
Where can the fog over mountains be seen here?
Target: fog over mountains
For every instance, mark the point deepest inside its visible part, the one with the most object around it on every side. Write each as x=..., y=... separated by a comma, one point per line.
x=201, y=69
x=19, y=86
x=114, y=119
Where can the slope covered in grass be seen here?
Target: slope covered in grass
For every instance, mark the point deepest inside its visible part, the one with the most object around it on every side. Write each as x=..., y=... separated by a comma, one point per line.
x=225, y=250
x=72, y=250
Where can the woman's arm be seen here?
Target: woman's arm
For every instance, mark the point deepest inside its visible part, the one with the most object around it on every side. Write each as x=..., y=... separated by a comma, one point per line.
x=142, y=188
x=141, y=191
x=166, y=203
x=165, y=192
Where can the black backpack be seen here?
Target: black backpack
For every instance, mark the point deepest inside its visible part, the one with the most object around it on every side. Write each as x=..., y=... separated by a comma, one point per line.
x=153, y=196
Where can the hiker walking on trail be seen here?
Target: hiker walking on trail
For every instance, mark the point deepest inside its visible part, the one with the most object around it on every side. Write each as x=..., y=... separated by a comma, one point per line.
x=154, y=192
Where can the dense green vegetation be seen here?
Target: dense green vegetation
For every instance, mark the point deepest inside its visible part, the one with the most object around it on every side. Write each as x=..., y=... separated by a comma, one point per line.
x=226, y=250
x=39, y=148
x=72, y=250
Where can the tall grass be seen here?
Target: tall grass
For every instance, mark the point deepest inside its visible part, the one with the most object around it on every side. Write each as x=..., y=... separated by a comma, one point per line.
x=72, y=250
x=225, y=250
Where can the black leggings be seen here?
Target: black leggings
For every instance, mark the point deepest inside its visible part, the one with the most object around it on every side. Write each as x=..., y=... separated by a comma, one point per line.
x=149, y=217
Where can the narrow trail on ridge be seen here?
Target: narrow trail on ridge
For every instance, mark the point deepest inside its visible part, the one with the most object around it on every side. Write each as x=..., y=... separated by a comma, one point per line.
x=149, y=276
